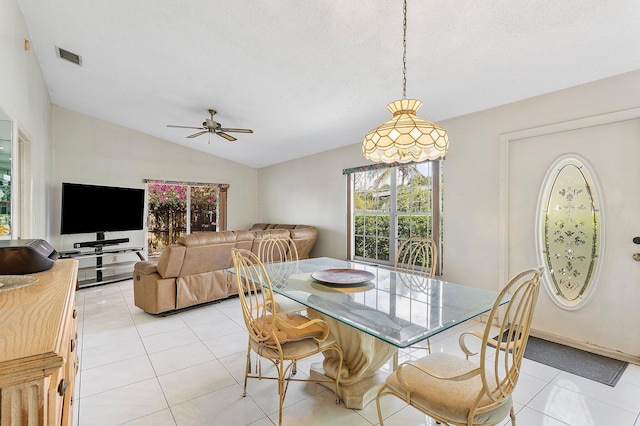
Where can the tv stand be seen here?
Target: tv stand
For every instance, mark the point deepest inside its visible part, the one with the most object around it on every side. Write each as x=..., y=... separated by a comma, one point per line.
x=102, y=272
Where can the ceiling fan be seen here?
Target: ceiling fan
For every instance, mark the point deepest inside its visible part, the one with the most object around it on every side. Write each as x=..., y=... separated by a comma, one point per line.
x=212, y=126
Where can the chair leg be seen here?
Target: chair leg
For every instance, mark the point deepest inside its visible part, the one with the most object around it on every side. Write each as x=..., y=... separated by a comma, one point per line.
x=281, y=389
x=512, y=413
x=247, y=370
x=249, y=357
x=294, y=369
x=281, y=396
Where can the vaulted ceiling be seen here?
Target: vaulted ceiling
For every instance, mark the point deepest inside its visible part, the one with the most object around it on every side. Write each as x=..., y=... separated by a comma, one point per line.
x=309, y=76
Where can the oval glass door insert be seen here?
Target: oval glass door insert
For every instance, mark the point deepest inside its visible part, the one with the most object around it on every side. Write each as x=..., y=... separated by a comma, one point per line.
x=569, y=231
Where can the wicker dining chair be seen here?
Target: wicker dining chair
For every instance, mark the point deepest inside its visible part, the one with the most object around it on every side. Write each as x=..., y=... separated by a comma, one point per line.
x=418, y=257
x=282, y=338
x=454, y=390
x=279, y=251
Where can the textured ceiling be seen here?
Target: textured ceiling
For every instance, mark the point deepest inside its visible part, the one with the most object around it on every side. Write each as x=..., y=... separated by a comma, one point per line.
x=309, y=76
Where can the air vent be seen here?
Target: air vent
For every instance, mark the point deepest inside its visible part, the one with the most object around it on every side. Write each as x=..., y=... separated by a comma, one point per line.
x=69, y=56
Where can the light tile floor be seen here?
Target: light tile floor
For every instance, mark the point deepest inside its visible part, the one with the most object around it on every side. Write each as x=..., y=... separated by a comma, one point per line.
x=187, y=369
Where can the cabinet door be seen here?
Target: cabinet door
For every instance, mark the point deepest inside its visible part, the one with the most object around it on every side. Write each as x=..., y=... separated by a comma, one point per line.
x=23, y=403
x=70, y=368
x=62, y=383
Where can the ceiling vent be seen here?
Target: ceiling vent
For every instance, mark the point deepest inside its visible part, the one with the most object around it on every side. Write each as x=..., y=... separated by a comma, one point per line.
x=69, y=56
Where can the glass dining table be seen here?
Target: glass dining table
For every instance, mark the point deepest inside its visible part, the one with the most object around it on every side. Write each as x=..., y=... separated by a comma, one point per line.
x=372, y=311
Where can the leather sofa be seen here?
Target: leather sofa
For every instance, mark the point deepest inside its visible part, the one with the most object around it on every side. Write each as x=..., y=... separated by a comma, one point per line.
x=194, y=270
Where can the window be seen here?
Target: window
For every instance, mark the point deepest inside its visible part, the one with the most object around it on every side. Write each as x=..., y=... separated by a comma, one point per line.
x=179, y=208
x=390, y=204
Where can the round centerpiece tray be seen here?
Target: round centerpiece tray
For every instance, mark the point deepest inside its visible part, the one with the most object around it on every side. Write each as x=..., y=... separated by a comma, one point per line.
x=342, y=276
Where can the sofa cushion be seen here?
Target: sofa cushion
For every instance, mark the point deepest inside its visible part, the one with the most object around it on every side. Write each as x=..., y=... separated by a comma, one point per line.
x=244, y=239
x=263, y=226
x=304, y=238
x=146, y=267
x=281, y=226
x=259, y=235
x=170, y=261
x=207, y=238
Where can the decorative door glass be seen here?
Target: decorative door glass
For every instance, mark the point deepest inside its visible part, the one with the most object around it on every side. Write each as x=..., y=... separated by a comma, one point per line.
x=570, y=231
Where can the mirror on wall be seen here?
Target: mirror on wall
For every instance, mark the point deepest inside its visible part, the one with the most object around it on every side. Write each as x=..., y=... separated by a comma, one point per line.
x=569, y=231
x=6, y=144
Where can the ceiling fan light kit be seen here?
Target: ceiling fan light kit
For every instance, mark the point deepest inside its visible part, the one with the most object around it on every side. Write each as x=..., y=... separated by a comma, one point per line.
x=405, y=137
x=212, y=126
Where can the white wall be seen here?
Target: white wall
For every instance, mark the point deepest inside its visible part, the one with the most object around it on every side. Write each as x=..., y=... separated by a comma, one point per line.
x=92, y=151
x=24, y=99
x=312, y=190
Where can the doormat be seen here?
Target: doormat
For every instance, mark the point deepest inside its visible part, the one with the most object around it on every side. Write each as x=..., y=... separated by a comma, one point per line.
x=585, y=364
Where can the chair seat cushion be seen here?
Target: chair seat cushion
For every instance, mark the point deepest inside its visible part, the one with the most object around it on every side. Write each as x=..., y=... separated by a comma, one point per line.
x=291, y=350
x=284, y=327
x=446, y=398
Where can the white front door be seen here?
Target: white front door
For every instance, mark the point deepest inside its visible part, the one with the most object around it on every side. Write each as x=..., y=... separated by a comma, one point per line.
x=611, y=144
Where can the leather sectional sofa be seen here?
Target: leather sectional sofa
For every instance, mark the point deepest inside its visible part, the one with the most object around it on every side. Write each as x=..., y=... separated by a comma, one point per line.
x=194, y=271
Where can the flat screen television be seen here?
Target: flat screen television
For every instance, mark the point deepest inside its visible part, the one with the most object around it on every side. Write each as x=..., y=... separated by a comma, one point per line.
x=99, y=209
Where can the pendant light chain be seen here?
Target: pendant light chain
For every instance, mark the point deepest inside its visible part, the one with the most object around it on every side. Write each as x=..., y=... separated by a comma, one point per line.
x=404, y=51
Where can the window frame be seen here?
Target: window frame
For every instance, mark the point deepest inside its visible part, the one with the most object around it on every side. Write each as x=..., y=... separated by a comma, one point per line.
x=436, y=171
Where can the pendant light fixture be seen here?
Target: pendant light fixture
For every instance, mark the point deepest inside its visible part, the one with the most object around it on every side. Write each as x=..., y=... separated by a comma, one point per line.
x=405, y=137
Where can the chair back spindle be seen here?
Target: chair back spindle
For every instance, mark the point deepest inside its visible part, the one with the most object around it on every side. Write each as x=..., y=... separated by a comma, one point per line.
x=417, y=256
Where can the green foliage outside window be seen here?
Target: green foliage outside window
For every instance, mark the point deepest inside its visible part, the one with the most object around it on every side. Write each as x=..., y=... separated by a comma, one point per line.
x=171, y=205
x=372, y=236
x=203, y=208
x=167, y=215
x=374, y=191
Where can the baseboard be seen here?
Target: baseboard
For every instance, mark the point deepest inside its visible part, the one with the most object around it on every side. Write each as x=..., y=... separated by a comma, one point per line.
x=632, y=359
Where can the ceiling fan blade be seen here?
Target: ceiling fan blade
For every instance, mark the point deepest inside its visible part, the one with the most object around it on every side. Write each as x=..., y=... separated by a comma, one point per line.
x=237, y=130
x=184, y=127
x=198, y=134
x=226, y=136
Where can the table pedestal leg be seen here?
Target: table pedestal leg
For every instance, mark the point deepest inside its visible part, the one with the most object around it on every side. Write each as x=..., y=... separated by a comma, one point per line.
x=356, y=395
x=363, y=357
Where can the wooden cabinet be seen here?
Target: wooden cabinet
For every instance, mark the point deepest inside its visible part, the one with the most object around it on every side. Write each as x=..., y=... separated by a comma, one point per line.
x=38, y=349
